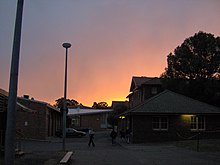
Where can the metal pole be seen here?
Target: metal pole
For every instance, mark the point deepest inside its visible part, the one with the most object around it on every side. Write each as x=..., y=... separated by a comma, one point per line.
x=197, y=146
x=65, y=45
x=12, y=99
x=64, y=104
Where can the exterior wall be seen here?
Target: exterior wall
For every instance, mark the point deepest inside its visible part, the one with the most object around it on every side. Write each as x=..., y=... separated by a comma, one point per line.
x=3, y=116
x=136, y=97
x=53, y=121
x=2, y=129
x=31, y=124
x=142, y=131
x=90, y=121
x=147, y=91
x=178, y=129
x=40, y=123
x=212, y=127
x=97, y=122
x=143, y=93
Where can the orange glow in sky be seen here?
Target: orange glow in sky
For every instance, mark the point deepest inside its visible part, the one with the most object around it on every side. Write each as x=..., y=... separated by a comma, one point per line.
x=111, y=42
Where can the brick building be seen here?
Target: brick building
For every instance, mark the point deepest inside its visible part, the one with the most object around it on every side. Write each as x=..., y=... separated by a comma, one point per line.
x=89, y=118
x=3, y=108
x=160, y=115
x=34, y=119
x=40, y=120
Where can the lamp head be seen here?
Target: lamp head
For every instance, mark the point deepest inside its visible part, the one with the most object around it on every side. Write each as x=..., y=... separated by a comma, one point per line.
x=66, y=45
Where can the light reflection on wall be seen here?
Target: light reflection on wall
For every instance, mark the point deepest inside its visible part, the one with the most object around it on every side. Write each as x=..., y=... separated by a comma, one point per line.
x=186, y=118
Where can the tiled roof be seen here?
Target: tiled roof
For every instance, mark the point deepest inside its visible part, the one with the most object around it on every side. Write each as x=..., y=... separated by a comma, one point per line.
x=170, y=102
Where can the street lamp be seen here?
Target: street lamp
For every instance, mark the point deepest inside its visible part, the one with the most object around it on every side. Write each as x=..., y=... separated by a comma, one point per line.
x=66, y=46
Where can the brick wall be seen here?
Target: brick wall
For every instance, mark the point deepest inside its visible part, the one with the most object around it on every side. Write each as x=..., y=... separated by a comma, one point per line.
x=91, y=121
x=39, y=123
x=178, y=129
x=143, y=93
x=31, y=124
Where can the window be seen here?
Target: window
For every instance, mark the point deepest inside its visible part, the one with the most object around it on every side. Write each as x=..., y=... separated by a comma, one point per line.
x=197, y=123
x=160, y=123
x=76, y=121
x=153, y=90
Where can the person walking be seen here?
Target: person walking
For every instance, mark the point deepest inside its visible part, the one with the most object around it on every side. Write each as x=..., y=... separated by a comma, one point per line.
x=91, y=137
x=113, y=136
x=128, y=135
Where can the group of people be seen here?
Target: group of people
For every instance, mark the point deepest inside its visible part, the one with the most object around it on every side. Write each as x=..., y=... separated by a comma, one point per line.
x=123, y=134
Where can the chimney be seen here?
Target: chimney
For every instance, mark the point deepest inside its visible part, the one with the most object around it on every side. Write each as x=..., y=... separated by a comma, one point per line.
x=26, y=96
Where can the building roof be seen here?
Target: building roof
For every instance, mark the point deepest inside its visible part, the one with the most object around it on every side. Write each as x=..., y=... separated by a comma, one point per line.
x=170, y=102
x=119, y=103
x=22, y=100
x=24, y=108
x=78, y=111
x=27, y=108
x=3, y=92
x=136, y=82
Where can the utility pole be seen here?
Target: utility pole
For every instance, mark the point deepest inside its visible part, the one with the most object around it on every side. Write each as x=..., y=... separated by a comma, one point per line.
x=12, y=99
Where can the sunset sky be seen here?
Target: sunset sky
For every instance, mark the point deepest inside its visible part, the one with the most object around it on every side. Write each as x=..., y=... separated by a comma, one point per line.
x=112, y=40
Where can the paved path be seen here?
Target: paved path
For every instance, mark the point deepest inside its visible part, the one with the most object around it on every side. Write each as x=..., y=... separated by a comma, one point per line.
x=104, y=153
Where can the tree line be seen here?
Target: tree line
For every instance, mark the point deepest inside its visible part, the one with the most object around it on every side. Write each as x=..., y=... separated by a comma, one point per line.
x=75, y=104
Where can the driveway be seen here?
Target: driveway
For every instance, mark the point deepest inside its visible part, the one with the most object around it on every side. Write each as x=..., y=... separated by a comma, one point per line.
x=104, y=153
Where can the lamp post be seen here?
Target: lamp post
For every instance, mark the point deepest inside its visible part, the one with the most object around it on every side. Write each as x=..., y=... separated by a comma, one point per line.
x=12, y=99
x=66, y=46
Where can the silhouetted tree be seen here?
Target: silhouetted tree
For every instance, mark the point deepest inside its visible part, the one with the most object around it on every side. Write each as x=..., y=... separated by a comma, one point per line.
x=100, y=105
x=70, y=102
x=194, y=68
x=198, y=57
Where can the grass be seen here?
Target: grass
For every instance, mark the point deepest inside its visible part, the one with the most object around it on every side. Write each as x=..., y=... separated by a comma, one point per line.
x=207, y=145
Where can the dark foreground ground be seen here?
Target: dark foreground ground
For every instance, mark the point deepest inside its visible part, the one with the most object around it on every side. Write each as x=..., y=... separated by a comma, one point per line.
x=104, y=153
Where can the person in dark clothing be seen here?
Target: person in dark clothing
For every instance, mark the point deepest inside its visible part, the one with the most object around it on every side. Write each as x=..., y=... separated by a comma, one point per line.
x=113, y=136
x=128, y=135
x=91, y=137
x=122, y=134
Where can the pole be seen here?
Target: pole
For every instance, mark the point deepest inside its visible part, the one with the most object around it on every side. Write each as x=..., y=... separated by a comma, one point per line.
x=197, y=146
x=12, y=99
x=64, y=104
x=66, y=46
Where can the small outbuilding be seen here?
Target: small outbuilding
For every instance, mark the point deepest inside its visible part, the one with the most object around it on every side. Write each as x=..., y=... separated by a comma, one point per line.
x=89, y=118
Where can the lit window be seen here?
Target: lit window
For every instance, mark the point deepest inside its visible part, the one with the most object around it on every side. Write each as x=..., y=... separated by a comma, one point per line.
x=197, y=123
x=160, y=123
